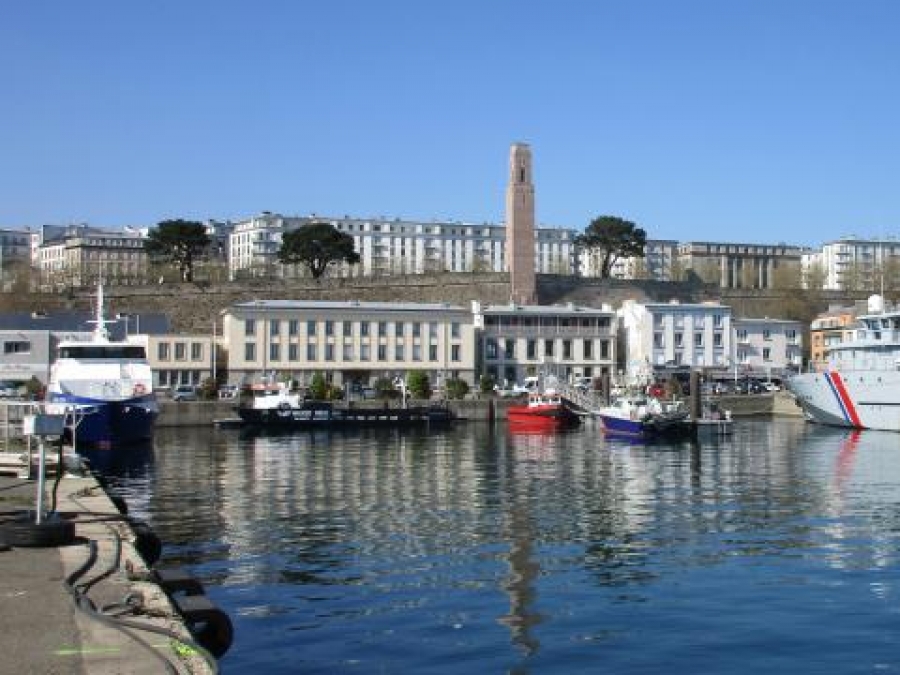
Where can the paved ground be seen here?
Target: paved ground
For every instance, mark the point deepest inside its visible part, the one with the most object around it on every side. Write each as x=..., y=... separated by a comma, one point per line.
x=41, y=628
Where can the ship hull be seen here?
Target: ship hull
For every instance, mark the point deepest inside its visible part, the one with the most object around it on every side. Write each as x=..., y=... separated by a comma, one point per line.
x=860, y=399
x=113, y=423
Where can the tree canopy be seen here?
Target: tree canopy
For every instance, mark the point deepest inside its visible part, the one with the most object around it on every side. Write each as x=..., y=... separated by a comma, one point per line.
x=180, y=243
x=316, y=246
x=612, y=238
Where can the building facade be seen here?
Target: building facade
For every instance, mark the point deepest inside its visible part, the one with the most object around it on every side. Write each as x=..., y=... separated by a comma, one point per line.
x=516, y=341
x=827, y=330
x=657, y=262
x=768, y=347
x=348, y=342
x=741, y=265
x=855, y=264
x=81, y=256
x=663, y=337
x=395, y=247
x=178, y=359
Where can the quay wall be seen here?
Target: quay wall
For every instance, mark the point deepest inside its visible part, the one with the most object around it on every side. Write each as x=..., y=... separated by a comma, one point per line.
x=203, y=413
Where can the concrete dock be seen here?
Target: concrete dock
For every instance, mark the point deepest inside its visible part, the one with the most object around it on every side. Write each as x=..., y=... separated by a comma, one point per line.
x=89, y=606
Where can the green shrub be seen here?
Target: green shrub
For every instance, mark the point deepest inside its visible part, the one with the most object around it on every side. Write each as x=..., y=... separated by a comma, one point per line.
x=457, y=388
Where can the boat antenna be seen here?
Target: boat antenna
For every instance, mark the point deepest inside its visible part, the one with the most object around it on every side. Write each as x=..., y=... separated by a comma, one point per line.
x=100, y=331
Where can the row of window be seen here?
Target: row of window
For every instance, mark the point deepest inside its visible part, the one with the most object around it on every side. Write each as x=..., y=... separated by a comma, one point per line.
x=492, y=349
x=164, y=351
x=547, y=321
x=790, y=334
x=348, y=354
x=659, y=340
x=718, y=320
x=172, y=378
x=349, y=328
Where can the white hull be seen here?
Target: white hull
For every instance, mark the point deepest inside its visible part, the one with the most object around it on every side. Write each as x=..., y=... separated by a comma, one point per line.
x=861, y=399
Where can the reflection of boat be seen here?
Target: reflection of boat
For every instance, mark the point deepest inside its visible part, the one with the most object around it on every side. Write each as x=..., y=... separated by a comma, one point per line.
x=108, y=384
x=860, y=387
x=275, y=406
x=646, y=418
x=544, y=411
x=714, y=423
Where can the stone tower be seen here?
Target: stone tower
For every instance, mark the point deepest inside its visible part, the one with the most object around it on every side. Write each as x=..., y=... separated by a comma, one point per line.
x=520, y=226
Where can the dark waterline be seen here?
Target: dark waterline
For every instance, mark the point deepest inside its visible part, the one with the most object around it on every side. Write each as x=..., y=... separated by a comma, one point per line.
x=473, y=549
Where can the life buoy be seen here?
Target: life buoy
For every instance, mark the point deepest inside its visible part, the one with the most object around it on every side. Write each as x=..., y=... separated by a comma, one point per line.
x=139, y=389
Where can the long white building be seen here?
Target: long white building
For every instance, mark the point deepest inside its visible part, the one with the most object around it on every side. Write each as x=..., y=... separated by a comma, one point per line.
x=392, y=247
x=853, y=263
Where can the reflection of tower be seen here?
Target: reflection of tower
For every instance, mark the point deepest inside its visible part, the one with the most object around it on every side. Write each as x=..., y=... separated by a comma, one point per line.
x=520, y=226
x=519, y=586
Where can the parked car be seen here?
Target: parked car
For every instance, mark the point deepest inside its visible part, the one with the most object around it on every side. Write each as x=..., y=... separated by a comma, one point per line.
x=9, y=390
x=228, y=391
x=184, y=392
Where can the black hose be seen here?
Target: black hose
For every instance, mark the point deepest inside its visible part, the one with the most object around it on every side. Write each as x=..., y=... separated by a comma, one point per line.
x=59, y=473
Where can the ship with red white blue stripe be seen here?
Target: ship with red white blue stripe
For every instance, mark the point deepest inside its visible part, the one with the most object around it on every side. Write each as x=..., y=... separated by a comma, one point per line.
x=860, y=386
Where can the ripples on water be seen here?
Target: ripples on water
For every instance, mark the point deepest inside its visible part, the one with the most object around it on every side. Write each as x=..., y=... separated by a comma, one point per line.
x=390, y=552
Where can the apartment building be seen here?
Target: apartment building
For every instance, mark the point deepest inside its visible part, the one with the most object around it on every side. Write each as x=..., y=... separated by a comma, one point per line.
x=515, y=342
x=393, y=247
x=178, y=359
x=348, y=341
x=662, y=337
x=15, y=251
x=657, y=263
x=855, y=264
x=827, y=330
x=768, y=347
x=81, y=255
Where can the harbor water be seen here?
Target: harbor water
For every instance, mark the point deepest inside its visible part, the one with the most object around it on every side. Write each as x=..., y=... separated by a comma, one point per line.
x=470, y=549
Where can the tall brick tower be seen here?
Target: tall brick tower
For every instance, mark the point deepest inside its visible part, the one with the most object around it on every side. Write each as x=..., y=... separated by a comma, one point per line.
x=520, y=226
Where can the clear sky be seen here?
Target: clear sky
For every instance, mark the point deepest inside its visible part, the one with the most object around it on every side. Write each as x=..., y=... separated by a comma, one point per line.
x=732, y=120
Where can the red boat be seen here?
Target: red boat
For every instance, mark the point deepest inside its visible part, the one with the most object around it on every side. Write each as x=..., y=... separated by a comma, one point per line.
x=544, y=412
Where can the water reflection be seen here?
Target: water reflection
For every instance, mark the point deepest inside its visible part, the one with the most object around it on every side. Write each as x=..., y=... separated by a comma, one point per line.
x=533, y=552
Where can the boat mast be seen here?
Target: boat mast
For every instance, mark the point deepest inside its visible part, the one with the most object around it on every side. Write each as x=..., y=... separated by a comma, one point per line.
x=100, y=332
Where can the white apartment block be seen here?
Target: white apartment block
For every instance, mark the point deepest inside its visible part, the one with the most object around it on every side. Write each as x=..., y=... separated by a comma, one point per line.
x=665, y=336
x=392, y=247
x=348, y=341
x=767, y=347
x=851, y=263
x=178, y=359
x=564, y=341
x=656, y=263
x=15, y=250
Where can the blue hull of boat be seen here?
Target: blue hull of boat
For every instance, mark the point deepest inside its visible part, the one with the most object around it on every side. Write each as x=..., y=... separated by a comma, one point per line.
x=111, y=422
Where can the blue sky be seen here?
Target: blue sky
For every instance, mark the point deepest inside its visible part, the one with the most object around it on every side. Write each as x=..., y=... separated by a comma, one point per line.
x=760, y=121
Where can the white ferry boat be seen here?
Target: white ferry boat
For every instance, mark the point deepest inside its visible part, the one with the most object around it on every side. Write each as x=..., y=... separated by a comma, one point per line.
x=860, y=387
x=107, y=385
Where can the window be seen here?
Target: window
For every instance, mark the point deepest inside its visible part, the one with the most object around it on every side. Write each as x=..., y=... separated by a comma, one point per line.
x=432, y=353
x=588, y=348
x=249, y=326
x=311, y=352
x=382, y=352
x=180, y=351
x=767, y=334
x=382, y=329
x=567, y=350
x=417, y=329
x=455, y=330
x=490, y=348
x=767, y=354
x=717, y=320
x=658, y=341
x=348, y=352
x=196, y=351
x=274, y=326
x=417, y=352
x=791, y=335
x=250, y=351
x=292, y=352
x=510, y=351
x=398, y=329
x=364, y=328
x=454, y=352
x=741, y=334
x=717, y=339
x=604, y=349
x=311, y=328
x=162, y=350
x=329, y=328
x=329, y=352
x=548, y=347
x=698, y=339
x=531, y=349
x=679, y=340
x=293, y=327
x=399, y=353
x=274, y=351
x=348, y=329
x=433, y=329
x=657, y=320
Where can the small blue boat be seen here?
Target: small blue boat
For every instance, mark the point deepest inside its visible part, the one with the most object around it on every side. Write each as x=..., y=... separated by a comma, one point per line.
x=646, y=418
